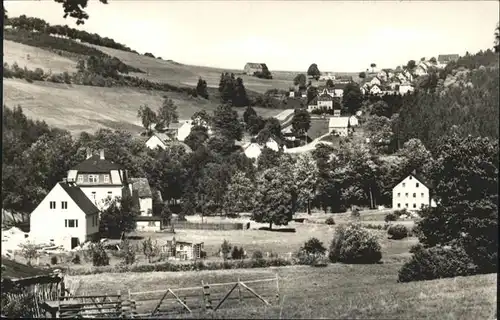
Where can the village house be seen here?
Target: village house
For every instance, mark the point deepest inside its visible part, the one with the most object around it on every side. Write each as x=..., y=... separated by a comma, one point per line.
x=158, y=140
x=353, y=121
x=412, y=193
x=253, y=150
x=444, y=59
x=142, y=195
x=251, y=68
x=65, y=217
x=183, y=250
x=422, y=68
x=339, y=126
x=99, y=179
x=326, y=76
x=375, y=81
x=404, y=89
x=375, y=89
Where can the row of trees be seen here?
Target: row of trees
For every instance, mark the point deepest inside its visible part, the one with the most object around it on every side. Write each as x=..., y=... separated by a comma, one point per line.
x=40, y=25
x=232, y=90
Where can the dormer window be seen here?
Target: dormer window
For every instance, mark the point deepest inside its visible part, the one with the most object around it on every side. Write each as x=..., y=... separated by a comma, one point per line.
x=93, y=178
x=106, y=178
x=80, y=179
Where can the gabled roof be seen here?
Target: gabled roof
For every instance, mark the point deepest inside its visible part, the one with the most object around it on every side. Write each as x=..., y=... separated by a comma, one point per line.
x=338, y=122
x=80, y=199
x=95, y=164
x=415, y=173
x=325, y=97
x=255, y=65
x=447, y=57
x=142, y=187
x=318, y=128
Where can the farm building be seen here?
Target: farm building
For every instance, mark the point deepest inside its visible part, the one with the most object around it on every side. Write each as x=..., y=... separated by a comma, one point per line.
x=251, y=67
x=149, y=223
x=158, y=140
x=339, y=125
x=72, y=216
x=139, y=187
x=98, y=178
x=447, y=58
x=253, y=150
x=183, y=250
x=412, y=193
x=353, y=121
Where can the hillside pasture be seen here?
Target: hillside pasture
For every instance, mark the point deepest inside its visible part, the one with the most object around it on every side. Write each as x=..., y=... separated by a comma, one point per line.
x=33, y=57
x=336, y=291
x=84, y=108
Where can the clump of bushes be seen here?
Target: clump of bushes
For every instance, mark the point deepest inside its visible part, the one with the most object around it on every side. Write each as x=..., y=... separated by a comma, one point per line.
x=391, y=216
x=128, y=252
x=436, y=262
x=373, y=226
x=99, y=255
x=398, y=232
x=311, y=253
x=150, y=249
x=353, y=244
x=257, y=254
x=330, y=221
x=237, y=253
x=355, y=213
x=76, y=259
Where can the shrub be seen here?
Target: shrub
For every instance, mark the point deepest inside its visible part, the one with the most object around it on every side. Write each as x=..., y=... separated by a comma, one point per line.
x=257, y=255
x=99, y=255
x=313, y=246
x=53, y=260
x=150, y=249
x=203, y=254
x=128, y=252
x=401, y=212
x=353, y=244
x=237, y=254
x=355, y=213
x=330, y=221
x=391, y=216
x=398, y=231
x=29, y=252
x=373, y=226
x=225, y=249
x=436, y=262
x=76, y=259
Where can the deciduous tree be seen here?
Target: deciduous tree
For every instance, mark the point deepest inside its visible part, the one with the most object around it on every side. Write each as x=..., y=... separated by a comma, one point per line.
x=226, y=122
x=240, y=193
x=119, y=217
x=167, y=113
x=148, y=117
x=313, y=71
x=305, y=173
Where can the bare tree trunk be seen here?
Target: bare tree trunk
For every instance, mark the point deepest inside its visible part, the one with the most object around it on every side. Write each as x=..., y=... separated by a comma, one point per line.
x=270, y=225
x=371, y=198
x=309, y=206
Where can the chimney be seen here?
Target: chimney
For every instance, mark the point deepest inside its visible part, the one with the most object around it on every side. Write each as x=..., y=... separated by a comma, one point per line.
x=101, y=154
x=89, y=153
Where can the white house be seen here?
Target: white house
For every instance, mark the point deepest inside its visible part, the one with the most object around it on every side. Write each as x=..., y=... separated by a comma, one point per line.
x=339, y=125
x=421, y=69
x=375, y=81
x=412, y=193
x=158, y=140
x=253, y=149
x=141, y=192
x=353, y=121
x=65, y=217
x=375, y=89
x=184, y=130
x=403, y=89
x=98, y=178
x=183, y=250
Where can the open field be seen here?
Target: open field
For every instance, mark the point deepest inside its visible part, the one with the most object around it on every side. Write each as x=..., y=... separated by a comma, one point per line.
x=85, y=108
x=32, y=58
x=336, y=291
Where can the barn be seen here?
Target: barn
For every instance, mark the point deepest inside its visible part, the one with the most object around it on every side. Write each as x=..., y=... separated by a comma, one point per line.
x=251, y=68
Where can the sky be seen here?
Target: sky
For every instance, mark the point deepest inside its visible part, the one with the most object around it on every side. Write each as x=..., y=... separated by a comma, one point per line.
x=339, y=36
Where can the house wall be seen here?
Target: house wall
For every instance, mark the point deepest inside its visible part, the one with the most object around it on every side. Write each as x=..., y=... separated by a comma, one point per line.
x=325, y=104
x=101, y=193
x=184, y=251
x=375, y=90
x=403, y=194
x=253, y=151
x=403, y=89
x=146, y=205
x=343, y=132
x=312, y=107
x=273, y=145
x=154, y=142
x=49, y=224
x=353, y=121
x=151, y=226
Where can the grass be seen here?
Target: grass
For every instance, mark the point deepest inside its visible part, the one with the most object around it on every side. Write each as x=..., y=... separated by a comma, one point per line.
x=14, y=269
x=83, y=108
x=336, y=291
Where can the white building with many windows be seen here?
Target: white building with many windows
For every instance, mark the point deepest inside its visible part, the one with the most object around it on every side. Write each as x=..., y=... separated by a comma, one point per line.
x=412, y=193
x=66, y=217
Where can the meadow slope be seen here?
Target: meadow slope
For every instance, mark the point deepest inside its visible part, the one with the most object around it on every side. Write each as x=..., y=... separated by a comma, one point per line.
x=84, y=108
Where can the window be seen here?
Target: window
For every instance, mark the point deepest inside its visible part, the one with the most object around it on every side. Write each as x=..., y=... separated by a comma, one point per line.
x=411, y=177
x=106, y=178
x=417, y=184
x=151, y=224
x=399, y=205
x=80, y=179
x=93, y=195
x=422, y=194
x=181, y=247
x=399, y=194
x=52, y=204
x=71, y=223
x=406, y=205
x=64, y=204
x=414, y=195
x=414, y=205
x=93, y=178
x=404, y=184
x=406, y=194
x=422, y=205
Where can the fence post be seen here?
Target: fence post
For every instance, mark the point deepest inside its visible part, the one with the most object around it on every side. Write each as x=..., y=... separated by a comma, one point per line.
x=119, y=303
x=206, y=296
x=239, y=290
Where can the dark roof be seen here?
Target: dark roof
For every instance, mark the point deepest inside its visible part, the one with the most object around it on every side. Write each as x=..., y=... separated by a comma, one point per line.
x=325, y=97
x=81, y=200
x=148, y=218
x=95, y=164
x=16, y=270
x=255, y=65
x=294, y=103
x=142, y=187
x=447, y=57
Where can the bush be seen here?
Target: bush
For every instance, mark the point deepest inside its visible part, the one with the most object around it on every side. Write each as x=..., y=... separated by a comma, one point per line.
x=330, y=221
x=353, y=244
x=391, y=216
x=76, y=259
x=225, y=249
x=355, y=213
x=128, y=252
x=150, y=249
x=313, y=246
x=203, y=254
x=373, y=226
x=53, y=260
x=436, y=263
x=237, y=254
x=398, y=231
x=257, y=255
x=99, y=255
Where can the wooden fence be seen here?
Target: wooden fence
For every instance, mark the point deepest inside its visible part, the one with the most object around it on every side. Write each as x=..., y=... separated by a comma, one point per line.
x=199, y=299
x=207, y=226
